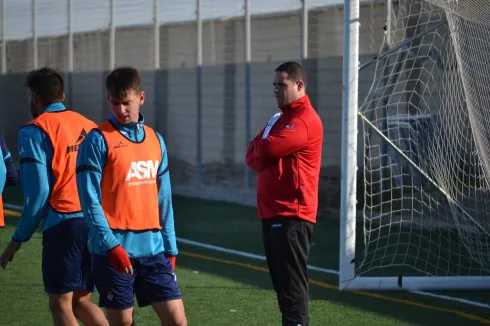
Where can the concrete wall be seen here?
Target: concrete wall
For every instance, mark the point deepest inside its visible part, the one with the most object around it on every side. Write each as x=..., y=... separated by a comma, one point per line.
x=171, y=93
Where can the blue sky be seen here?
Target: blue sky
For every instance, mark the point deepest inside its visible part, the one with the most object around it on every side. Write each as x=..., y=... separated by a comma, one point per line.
x=51, y=17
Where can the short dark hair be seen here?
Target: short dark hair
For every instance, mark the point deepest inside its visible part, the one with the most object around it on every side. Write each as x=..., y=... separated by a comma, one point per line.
x=121, y=80
x=294, y=70
x=47, y=83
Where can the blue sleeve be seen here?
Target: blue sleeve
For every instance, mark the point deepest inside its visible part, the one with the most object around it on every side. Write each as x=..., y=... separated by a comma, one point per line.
x=91, y=158
x=3, y=174
x=32, y=144
x=165, y=204
x=12, y=175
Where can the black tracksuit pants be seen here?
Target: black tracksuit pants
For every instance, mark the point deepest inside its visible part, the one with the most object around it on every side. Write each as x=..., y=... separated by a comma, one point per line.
x=287, y=246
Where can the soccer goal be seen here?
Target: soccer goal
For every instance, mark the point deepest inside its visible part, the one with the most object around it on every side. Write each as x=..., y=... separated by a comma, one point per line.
x=424, y=133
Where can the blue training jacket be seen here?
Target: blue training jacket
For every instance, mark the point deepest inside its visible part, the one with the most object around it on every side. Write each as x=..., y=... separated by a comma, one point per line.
x=8, y=172
x=37, y=180
x=3, y=174
x=92, y=156
x=12, y=177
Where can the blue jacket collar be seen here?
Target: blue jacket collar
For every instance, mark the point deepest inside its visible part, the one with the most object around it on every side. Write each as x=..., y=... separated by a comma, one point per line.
x=127, y=127
x=133, y=131
x=55, y=107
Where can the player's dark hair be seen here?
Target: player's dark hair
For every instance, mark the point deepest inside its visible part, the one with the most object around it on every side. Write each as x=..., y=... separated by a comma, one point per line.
x=121, y=80
x=46, y=83
x=294, y=70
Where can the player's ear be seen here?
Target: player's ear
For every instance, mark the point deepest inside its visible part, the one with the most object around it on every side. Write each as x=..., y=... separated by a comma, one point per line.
x=301, y=85
x=142, y=97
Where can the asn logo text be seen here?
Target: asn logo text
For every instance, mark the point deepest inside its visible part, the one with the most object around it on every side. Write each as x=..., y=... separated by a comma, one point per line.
x=142, y=172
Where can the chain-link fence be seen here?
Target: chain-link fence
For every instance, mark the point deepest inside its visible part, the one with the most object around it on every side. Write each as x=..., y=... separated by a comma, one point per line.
x=207, y=69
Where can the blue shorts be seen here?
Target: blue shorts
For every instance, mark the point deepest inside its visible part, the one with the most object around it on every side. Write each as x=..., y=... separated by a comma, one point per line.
x=153, y=281
x=66, y=261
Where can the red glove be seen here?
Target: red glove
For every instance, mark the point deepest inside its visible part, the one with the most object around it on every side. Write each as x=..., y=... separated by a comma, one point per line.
x=119, y=258
x=172, y=260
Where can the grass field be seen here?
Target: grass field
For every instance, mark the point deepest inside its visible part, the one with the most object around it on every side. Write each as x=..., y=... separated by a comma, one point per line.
x=225, y=289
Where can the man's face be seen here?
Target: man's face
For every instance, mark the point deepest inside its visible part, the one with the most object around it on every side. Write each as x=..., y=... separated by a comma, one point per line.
x=285, y=90
x=126, y=108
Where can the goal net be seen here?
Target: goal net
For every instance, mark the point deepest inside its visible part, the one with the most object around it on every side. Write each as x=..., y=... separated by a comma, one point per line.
x=426, y=151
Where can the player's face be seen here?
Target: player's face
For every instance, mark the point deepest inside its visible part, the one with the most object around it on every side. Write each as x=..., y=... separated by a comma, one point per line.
x=126, y=109
x=285, y=90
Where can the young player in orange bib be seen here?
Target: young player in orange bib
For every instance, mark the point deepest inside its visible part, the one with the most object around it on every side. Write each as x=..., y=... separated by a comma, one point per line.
x=124, y=187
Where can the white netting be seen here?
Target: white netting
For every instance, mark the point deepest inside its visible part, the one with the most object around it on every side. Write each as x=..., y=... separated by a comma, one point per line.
x=426, y=142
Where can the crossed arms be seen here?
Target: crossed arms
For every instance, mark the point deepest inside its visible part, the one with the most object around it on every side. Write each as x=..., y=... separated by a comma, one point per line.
x=285, y=138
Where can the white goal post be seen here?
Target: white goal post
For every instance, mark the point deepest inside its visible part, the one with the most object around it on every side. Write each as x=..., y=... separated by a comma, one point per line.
x=424, y=220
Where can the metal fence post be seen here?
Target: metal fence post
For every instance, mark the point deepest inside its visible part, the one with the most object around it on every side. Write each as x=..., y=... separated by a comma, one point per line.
x=112, y=35
x=70, y=34
x=248, y=93
x=199, y=95
x=4, y=37
x=156, y=34
x=34, y=35
x=70, y=50
x=304, y=31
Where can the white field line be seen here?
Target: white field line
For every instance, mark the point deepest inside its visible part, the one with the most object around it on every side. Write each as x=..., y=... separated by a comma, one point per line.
x=246, y=254
x=13, y=207
x=324, y=270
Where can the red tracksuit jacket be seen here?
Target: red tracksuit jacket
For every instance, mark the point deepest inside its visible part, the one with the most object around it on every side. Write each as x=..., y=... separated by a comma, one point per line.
x=288, y=163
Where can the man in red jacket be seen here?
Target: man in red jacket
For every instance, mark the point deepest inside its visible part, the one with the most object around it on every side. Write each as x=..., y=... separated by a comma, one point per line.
x=287, y=156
